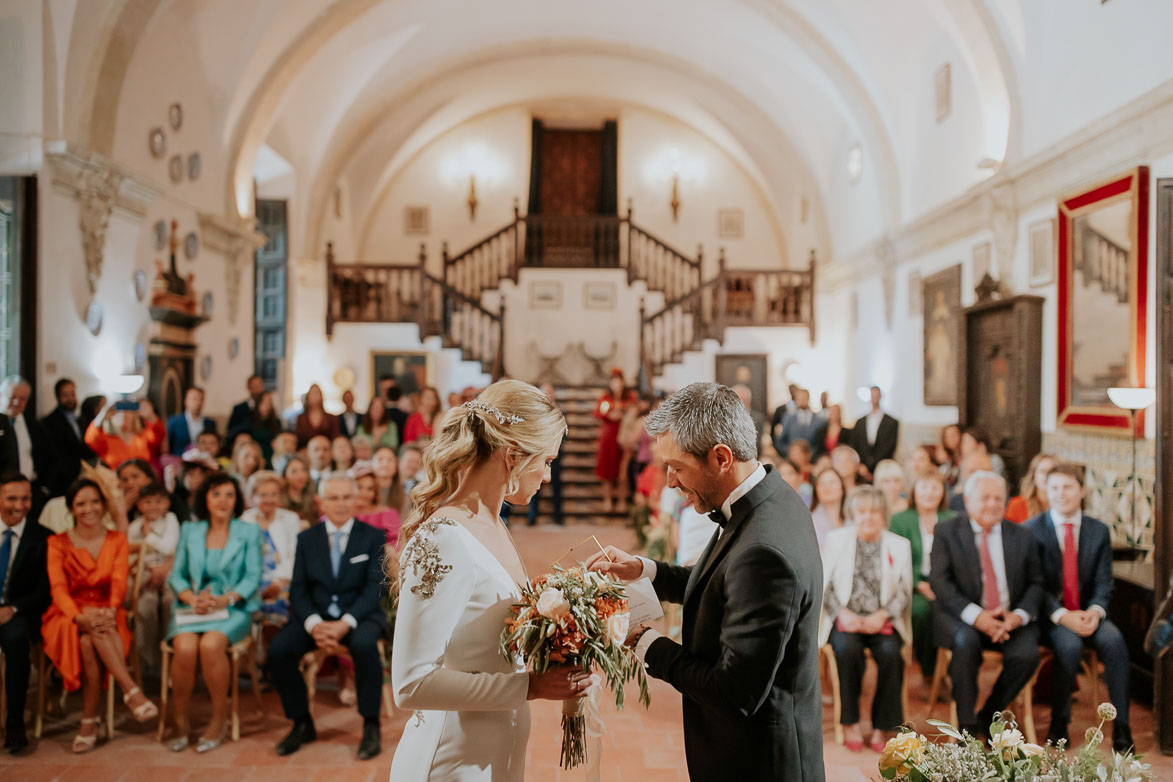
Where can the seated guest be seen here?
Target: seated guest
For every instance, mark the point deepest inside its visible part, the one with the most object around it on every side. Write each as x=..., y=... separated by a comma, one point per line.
x=386, y=466
x=846, y=462
x=56, y=517
x=919, y=525
x=367, y=505
x=830, y=432
x=378, y=425
x=67, y=435
x=867, y=585
x=341, y=454
x=284, y=448
x=156, y=526
x=364, y=449
x=978, y=461
x=989, y=589
x=210, y=445
x=85, y=628
x=134, y=475
x=217, y=570
x=36, y=454
x=266, y=425
x=973, y=440
x=195, y=467
x=336, y=597
x=299, y=494
x=890, y=480
x=241, y=419
x=921, y=460
x=317, y=454
x=118, y=435
x=1032, y=491
x=411, y=467
x=827, y=503
x=427, y=414
x=247, y=459
x=184, y=428
x=314, y=421
x=799, y=454
x=279, y=529
x=24, y=596
x=1077, y=587
x=793, y=477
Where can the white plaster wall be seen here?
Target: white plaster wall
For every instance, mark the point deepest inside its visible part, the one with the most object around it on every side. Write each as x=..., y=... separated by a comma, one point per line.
x=20, y=86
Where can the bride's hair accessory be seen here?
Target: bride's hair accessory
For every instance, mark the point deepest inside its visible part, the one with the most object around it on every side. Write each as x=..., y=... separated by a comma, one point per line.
x=502, y=418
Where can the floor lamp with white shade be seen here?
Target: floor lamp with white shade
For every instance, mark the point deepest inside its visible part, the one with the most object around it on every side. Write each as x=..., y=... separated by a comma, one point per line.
x=1133, y=400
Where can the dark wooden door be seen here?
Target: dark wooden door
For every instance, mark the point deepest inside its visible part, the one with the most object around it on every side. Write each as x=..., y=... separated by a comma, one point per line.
x=270, y=285
x=571, y=176
x=1163, y=519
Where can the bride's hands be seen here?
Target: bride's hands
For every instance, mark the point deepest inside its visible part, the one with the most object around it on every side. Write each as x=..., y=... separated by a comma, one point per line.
x=558, y=685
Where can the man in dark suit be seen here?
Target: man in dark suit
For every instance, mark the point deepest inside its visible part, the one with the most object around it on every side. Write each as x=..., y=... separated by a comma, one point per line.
x=349, y=419
x=748, y=664
x=874, y=437
x=35, y=456
x=799, y=424
x=335, y=598
x=24, y=596
x=241, y=418
x=68, y=438
x=396, y=415
x=183, y=428
x=985, y=574
x=1077, y=587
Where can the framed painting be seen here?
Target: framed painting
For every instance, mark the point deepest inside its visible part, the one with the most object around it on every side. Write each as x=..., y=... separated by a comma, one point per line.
x=730, y=223
x=914, y=293
x=1102, y=243
x=748, y=370
x=941, y=300
x=545, y=295
x=600, y=295
x=417, y=220
x=412, y=370
x=1042, y=253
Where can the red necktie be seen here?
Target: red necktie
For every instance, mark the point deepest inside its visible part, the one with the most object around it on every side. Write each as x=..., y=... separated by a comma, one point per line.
x=990, y=596
x=1070, y=568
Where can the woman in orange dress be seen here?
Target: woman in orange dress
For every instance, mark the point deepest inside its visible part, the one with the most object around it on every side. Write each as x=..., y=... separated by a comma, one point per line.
x=85, y=628
x=610, y=408
x=1032, y=491
x=120, y=435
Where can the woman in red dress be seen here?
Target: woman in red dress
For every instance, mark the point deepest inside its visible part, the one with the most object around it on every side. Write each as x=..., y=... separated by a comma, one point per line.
x=85, y=627
x=422, y=422
x=610, y=408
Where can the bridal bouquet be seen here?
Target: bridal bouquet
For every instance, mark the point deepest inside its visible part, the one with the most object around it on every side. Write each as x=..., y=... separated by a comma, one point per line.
x=1009, y=757
x=577, y=619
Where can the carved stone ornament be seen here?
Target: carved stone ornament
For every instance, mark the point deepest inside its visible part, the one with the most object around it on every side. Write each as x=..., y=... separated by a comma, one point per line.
x=99, y=188
x=1000, y=212
x=236, y=241
x=885, y=252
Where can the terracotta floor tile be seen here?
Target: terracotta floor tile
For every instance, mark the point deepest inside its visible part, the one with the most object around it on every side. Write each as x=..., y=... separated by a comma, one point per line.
x=32, y=772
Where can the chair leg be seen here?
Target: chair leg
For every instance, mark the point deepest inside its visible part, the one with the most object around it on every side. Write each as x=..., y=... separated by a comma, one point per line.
x=255, y=675
x=943, y=659
x=164, y=687
x=109, y=705
x=836, y=703
x=235, y=698
x=310, y=674
x=1093, y=672
x=3, y=699
x=906, y=656
x=40, y=696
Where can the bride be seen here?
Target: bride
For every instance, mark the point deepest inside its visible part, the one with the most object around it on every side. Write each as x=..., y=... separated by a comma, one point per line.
x=457, y=578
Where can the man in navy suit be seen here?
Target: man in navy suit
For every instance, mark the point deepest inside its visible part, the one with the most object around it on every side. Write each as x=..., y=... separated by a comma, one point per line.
x=801, y=423
x=1077, y=578
x=335, y=598
x=65, y=433
x=24, y=596
x=985, y=574
x=241, y=419
x=183, y=428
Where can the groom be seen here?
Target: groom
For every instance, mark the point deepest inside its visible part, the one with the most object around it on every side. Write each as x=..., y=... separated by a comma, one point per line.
x=748, y=665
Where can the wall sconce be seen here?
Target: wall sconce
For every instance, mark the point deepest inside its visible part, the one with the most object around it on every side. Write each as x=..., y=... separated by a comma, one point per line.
x=675, y=202
x=472, y=197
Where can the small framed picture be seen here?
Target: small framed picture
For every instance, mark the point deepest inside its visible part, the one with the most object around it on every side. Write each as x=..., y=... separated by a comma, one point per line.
x=600, y=295
x=944, y=89
x=545, y=295
x=730, y=223
x=417, y=220
x=914, y=293
x=981, y=262
x=1042, y=253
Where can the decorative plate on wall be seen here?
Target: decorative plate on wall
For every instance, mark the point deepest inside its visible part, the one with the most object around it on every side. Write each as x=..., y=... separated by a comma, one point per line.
x=194, y=166
x=344, y=378
x=157, y=140
x=175, y=168
x=191, y=245
x=175, y=116
x=141, y=284
x=140, y=357
x=94, y=318
x=205, y=368
x=160, y=235
x=208, y=303
x=233, y=348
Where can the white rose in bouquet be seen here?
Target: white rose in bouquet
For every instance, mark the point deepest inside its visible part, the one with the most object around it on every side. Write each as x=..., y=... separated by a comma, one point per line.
x=552, y=604
x=617, y=627
x=1007, y=740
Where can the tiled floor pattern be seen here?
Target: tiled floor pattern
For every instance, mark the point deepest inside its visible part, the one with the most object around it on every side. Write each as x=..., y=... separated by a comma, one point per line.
x=639, y=745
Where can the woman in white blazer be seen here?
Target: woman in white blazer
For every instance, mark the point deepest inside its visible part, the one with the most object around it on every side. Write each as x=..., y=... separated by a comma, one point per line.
x=867, y=595
x=279, y=529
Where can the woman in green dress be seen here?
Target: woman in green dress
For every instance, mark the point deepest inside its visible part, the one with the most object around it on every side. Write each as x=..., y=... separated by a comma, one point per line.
x=926, y=507
x=217, y=571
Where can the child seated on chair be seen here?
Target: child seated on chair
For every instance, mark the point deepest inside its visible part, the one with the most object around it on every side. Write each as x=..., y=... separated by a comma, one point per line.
x=158, y=527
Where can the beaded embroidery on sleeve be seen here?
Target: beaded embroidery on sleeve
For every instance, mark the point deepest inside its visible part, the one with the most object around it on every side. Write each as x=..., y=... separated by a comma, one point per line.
x=422, y=556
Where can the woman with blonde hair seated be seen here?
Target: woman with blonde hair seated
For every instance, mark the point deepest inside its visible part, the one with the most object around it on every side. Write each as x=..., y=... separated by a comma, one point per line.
x=457, y=580
x=867, y=586
x=889, y=479
x=1032, y=490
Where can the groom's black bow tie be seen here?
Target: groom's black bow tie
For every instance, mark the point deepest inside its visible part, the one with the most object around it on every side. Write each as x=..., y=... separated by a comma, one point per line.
x=717, y=517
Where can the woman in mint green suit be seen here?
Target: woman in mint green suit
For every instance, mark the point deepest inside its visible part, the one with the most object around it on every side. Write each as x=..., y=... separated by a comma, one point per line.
x=926, y=507
x=217, y=571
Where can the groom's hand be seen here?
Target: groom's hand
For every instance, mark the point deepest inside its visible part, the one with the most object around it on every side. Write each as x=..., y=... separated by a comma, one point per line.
x=614, y=562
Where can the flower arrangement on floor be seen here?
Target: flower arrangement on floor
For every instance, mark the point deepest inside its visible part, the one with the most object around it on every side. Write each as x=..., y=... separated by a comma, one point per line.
x=1009, y=757
x=577, y=619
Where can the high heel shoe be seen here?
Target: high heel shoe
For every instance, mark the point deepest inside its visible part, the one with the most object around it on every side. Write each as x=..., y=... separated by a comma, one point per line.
x=180, y=740
x=146, y=710
x=83, y=744
x=207, y=745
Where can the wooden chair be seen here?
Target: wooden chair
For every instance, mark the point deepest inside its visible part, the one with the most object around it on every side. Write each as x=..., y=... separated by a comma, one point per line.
x=1026, y=696
x=242, y=651
x=312, y=661
x=1089, y=664
x=43, y=666
x=828, y=656
x=138, y=555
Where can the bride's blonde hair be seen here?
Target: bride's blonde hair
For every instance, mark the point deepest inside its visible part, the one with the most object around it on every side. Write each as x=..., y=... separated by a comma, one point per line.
x=509, y=415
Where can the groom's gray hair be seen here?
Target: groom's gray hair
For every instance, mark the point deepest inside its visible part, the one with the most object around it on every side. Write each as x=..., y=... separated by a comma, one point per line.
x=703, y=415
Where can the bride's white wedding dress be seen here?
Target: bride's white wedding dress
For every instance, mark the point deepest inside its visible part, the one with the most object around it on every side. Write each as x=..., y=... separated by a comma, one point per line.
x=471, y=718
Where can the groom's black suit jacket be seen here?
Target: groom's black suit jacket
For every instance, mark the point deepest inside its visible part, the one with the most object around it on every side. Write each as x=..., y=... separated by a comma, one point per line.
x=748, y=665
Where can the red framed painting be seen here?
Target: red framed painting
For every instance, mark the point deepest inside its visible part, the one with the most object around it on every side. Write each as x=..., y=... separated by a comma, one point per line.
x=1102, y=246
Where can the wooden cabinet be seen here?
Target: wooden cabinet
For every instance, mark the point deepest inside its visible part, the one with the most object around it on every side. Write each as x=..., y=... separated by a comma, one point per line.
x=1000, y=383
